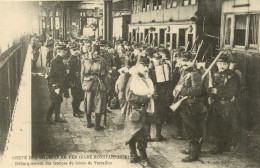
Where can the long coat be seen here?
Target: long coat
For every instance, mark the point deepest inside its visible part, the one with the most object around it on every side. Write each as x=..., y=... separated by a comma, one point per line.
x=130, y=101
x=96, y=83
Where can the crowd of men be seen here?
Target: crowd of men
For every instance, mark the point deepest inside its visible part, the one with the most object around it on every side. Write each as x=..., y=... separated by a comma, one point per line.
x=149, y=85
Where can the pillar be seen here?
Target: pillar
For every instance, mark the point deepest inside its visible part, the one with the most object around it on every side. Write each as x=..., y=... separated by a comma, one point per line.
x=108, y=22
x=54, y=24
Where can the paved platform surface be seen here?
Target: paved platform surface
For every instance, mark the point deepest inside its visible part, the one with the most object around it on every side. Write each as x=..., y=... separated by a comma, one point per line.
x=74, y=138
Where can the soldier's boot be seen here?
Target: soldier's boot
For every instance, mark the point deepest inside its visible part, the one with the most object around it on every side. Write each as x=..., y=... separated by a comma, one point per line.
x=159, y=136
x=90, y=124
x=149, y=139
x=77, y=104
x=144, y=159
x=57, y=114
x=75, y=111
x=185, y=151
x=133, y=154
x=193, y=155
x=49, y=114
x=97, y=124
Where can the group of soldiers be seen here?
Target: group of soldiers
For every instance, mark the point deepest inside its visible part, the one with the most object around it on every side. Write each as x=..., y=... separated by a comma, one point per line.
x=149, y=85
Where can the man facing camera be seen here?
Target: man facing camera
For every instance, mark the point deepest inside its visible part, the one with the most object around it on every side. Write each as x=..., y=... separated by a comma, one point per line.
x=57, y=84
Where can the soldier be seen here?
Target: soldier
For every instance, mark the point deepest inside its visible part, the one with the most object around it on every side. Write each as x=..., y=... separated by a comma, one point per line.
x=36, y=51
x=135, y=90
x=50, y=46
x=86, y=47
x=162, y=102
x=191, y=109
x=222, y=99
x=57, y=84
x=74, y=66
x=95, y=83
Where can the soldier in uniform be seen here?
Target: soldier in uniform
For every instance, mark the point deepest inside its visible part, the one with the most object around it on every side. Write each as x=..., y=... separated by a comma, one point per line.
x=57, y=84
x=135, y=91
x=222, y=99
x=50, y=46
x=36, y=51
x=161, y=87
x=191, y=109
x=74, y=66
x=95, y=83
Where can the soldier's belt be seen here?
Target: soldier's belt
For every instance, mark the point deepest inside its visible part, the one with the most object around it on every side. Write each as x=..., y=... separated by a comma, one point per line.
x=190, y=97
x=92, y=74
x=223, y=100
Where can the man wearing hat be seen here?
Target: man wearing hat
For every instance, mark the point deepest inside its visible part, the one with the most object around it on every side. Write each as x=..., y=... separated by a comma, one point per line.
x=57, y=84
x=222, y=99
x=95, y=83
x=135, y=91
x=74, y=65
x=191, y=109
x=50, y=45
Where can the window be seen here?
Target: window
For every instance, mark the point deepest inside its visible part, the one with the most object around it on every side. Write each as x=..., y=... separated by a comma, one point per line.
x=135, y=6
x=137, y=38
x=253, y=31
x=147, y=5
x=162, y=34
x=190, y=40
x=154, y=4
x=146, y=31
x=143, y=5
x=182, y=37
x=174, y=3
x=186, y=2
x=130, y=36
x=227, y=31
x=134, y=34
x=151, y=38
x=142, y=37
x=155, y=39
x=159, y=4
x=168, y=38
x=240, y=30
x=193, y=2
x=174, y=40
x=168, y=3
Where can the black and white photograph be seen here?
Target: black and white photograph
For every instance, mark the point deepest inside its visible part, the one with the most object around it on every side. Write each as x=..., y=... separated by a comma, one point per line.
x=130, y=83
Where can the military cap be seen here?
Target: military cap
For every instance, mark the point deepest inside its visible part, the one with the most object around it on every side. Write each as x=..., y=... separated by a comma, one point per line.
x=127, y=43
x=60, y=47
x=223, y=58
x=186, y=54
x=88, y=41
x=102, y=42
x=144, y=60
x=166, y=52
x=73, y=46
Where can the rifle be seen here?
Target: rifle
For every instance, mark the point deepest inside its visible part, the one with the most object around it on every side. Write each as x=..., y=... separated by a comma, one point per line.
x=176, y=105
x=194, y=43
x=186, y=48
x=212, y=64
x=196, y=56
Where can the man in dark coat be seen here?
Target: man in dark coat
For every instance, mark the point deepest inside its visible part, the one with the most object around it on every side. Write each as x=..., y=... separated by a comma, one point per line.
x=57, y=84
x=189, y=87
x=50, y=45
x=222, y=98
x=74, y=66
